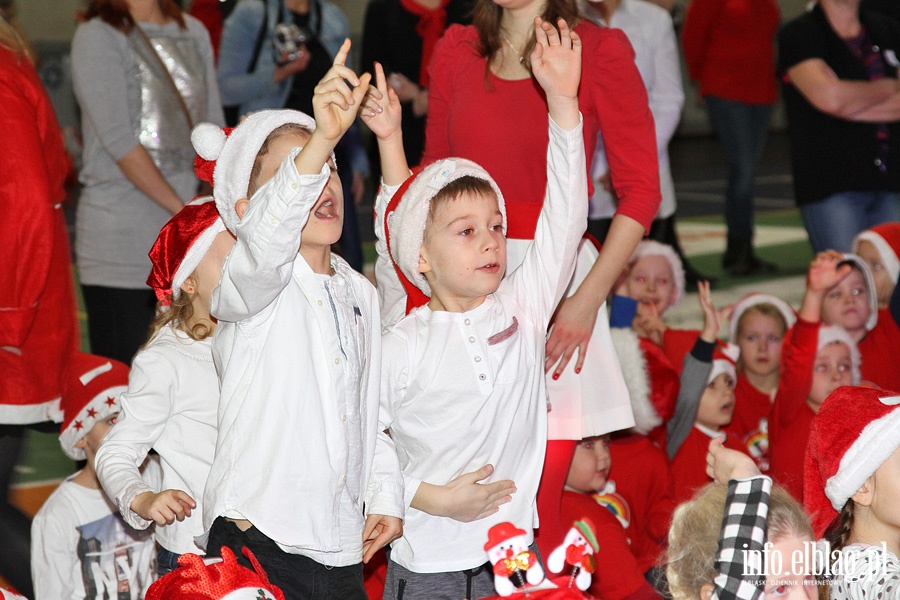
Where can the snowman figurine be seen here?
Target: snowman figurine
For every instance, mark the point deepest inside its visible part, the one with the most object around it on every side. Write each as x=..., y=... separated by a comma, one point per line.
x=514, y=564
x=577, y=551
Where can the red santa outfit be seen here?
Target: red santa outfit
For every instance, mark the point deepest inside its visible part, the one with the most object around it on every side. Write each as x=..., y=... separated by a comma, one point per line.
x=791, y=416
x=689, y=464
x=641, y=493
x=37, y=298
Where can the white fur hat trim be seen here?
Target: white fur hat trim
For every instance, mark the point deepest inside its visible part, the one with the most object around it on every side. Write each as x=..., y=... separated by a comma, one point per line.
x=754, y=300
x=634, y=369
x=724, y=359
x=407, y=222
x=887, y=254
x=654, y=248
x=254, y=593
x=833, y=334
x=871, y=292
x=235, y=154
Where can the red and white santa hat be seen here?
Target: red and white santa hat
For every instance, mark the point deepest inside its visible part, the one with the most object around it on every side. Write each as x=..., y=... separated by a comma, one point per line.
x=886, y=239
x=724, y=358
x=407, y=214
x=834, y=334
x=871, y=292
x=755, y=299
x=854, y=432
x=7, y=594
x=233, y=152
x=92, y=394
x=181, y=245
x=654, y=248
x=215, y=579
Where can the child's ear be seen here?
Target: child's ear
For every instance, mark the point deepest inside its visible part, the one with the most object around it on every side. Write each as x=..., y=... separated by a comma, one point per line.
x=866, y=493
x=706, y=592
x=189, y=285
x=82, y=443
x=424, y=266
x=240, y=207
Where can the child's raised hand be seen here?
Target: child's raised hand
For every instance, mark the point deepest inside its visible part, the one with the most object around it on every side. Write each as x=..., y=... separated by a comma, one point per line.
x=379, y=531
x=381, y=110
x=556, y=59
x=163, y=508
x=824, y=272
x=647, y=323
x=724, y=464
x=712, y=318
x=335, y=103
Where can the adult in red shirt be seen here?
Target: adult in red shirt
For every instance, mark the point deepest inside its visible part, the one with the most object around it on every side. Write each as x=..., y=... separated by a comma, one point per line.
x=38, y=326
x=730, y=53
x=485, y=106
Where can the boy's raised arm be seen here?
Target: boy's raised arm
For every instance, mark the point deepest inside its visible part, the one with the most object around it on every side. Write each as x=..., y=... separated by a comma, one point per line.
x=381, y=112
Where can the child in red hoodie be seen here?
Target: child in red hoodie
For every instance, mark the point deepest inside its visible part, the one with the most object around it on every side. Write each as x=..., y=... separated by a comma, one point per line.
x=817, y=360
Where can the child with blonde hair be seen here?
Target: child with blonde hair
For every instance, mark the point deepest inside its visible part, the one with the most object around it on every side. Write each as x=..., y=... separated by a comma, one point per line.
x=463, y=383
x=714, y=534
x=758, y=326
x=173, y=389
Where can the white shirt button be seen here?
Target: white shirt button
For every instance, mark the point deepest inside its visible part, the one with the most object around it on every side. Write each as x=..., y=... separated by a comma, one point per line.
x=337, y=361
x=319, y=303
x=472, y=338
x=343, y=417
x=293, y=185
x=273, y=221
x=477, y=359
x=467, y=322
x=482, y=377
x=344, y=478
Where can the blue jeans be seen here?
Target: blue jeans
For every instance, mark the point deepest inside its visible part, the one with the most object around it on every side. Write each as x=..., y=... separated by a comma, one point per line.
x=166, y=561
x=742, y=130
x=832, y=223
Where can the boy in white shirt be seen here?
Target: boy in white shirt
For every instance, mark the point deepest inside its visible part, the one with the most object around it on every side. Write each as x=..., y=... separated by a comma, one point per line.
x=302, y=475
x=463, y=384
x=80, y=547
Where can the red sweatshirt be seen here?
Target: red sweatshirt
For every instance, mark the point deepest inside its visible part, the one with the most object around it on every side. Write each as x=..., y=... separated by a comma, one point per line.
x=879, y=352
x=750, y=424
x=689, y=464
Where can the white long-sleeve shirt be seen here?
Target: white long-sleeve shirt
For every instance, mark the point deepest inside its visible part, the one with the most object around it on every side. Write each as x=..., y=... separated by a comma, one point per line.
x=651, y=33
x=170, y=406
x=462, y=390
x=282, y=455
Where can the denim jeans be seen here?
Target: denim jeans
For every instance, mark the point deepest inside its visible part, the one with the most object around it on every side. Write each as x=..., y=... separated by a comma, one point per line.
x=166, y=561
x=299, y=577
x=742, y=130
x=832, y=223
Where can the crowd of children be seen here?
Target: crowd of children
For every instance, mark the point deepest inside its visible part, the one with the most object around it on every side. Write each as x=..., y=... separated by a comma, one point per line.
x=302, y=419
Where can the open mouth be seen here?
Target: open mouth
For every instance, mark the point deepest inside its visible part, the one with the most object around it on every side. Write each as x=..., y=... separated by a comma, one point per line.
x=325, y=209
x=728, y=407
x=490, y=268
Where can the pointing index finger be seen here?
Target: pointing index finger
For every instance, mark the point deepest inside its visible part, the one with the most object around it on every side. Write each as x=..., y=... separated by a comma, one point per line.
x=341, y=57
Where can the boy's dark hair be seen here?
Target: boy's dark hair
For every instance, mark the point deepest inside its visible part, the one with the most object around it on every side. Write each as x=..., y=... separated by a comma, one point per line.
x=467, y=184
x=286, y=129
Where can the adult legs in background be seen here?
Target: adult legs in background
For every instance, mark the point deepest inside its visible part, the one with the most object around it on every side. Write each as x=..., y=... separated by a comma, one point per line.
x=742, y=130
x=118, y=320
x=15, y=527
x=832, y=223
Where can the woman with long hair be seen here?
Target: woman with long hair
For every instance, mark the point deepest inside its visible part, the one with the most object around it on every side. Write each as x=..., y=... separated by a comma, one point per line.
x=143, y=75
x=477, y=73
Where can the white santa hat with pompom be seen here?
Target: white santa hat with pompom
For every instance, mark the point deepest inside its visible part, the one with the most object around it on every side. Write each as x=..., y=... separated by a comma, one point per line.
x=235, y=154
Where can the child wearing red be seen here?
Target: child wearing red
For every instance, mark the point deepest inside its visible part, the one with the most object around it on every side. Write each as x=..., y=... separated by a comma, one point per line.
x=758, y=327
x=878, y=248
x=618, y=575
x=714, y=414
x=816, y=361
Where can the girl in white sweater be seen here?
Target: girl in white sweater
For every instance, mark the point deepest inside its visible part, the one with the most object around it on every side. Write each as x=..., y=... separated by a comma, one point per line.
x=173, y=391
